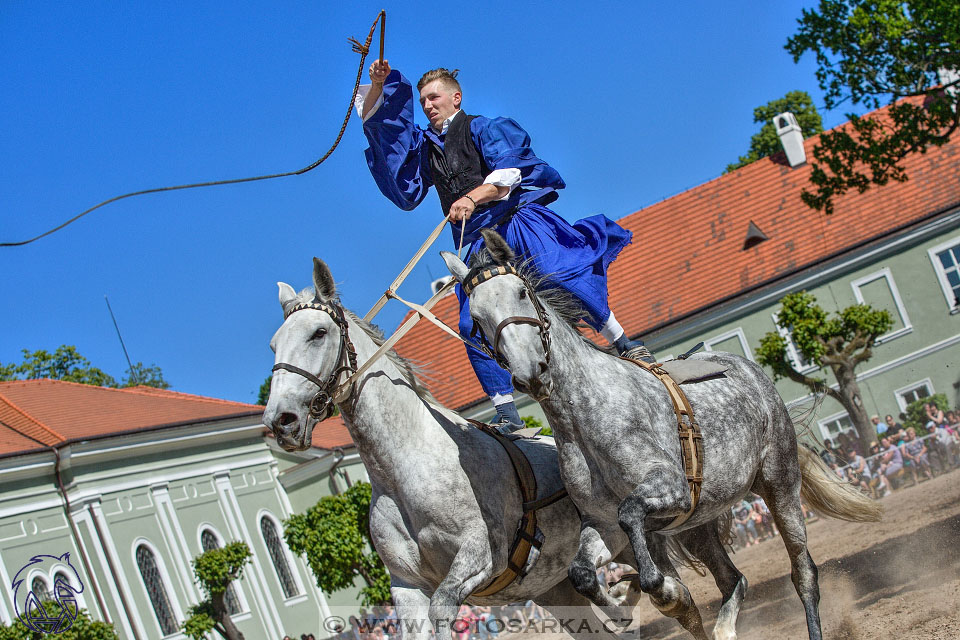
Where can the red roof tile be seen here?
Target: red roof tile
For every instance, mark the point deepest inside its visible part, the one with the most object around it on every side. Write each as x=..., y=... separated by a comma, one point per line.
x=41, y=413
x=688, y=254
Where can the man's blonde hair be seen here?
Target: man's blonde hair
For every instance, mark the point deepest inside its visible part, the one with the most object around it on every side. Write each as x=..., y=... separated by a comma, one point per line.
x=447, y=78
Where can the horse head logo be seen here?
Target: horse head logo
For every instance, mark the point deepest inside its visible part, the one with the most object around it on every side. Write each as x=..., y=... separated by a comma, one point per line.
x=32, y=610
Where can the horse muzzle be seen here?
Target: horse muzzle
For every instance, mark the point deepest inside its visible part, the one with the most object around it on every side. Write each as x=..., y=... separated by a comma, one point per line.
x=538, y=386
x=290, y=430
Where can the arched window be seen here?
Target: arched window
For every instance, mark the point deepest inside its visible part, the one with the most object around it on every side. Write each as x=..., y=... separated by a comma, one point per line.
x=279, y=558
x=66, y=595
x=210, y=542
x=155, y=589
x=40, y=589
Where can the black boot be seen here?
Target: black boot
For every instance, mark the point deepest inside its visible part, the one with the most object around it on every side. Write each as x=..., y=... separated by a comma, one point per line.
x=633, y=349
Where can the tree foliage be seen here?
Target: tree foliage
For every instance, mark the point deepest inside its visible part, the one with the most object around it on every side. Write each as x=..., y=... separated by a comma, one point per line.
x=215, y=570
x=766, y=142
x=264, y=394
x=917, y=416
x=83, y=628
x=334, y=535
x=839, y=342
x=871, y=53
x=67, y=364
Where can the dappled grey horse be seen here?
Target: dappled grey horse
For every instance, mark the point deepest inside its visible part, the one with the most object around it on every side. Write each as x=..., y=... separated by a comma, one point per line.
x=445, y=498
x=620, y=456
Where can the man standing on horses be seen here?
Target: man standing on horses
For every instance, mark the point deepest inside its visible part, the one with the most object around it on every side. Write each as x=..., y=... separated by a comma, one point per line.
x=487, y=176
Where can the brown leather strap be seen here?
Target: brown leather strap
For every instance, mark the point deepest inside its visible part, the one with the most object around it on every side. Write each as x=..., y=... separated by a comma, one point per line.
x=526, y=533
x=691, y=439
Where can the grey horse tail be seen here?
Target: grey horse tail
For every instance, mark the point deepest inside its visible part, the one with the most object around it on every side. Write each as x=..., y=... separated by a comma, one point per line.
x=828, y=495
x=679, y=555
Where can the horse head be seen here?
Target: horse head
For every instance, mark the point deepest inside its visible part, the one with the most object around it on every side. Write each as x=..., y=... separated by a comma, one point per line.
x=505, y=308
x=312, y=351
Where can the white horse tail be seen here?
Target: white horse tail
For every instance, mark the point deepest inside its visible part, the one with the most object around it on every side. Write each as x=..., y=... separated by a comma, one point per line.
x=828, y=495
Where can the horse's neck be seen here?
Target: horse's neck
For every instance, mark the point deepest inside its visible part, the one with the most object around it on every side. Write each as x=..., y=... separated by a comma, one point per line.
x=384, y=413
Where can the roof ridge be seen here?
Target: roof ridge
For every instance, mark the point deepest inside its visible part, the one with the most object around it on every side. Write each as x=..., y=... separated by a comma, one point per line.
x=157, y=392
x=28, y=416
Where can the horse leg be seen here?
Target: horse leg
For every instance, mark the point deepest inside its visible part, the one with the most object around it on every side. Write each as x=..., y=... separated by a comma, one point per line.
x=470, y=569
x=413, y=607
x=627, y=593
x=663, y=491
x=705, y=544
x=591, y=553
x=778, y=483
x=574, y=614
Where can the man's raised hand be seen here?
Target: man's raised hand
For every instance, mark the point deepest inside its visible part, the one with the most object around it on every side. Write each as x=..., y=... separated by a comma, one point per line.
x=379, y=71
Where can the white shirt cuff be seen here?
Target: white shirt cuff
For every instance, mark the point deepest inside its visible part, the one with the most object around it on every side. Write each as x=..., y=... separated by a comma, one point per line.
x=362, y=92
x=509, y=178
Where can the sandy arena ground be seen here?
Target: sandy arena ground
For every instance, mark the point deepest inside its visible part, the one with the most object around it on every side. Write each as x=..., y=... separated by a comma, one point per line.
x=899, y=578
x=896, y=579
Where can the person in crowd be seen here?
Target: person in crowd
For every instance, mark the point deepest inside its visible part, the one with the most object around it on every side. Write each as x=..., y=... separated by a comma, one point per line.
x=934, y=413
x=891, y=463
x=858, y=472
x=915, y=451
x=879, y=427
x=763, y=519
x=743, y=521
x=827, y=453
x=837, y=452
x=892, y=426
x=879, y=485
x=847, y=442
x=487, y=626
x=953, y=420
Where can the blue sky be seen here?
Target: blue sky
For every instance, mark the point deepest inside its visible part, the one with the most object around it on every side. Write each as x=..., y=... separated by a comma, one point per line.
x=631, y=101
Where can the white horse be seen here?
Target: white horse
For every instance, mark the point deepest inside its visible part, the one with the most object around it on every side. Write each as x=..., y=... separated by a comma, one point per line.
x=446, y=502
x=620, y=456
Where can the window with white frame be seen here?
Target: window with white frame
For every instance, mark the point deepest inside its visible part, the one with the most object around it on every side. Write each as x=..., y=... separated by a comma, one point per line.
x=913, y=392
x=796, y=358
x=880, y=292
x=156, y=590
x=66, y=592
x=732, y=342
x=834, y=425
x=275, y=548
x=40, y=589
x=946, y=263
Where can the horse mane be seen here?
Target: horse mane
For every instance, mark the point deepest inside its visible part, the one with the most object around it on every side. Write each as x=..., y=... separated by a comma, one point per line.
x=557, y=299
x=407, y=369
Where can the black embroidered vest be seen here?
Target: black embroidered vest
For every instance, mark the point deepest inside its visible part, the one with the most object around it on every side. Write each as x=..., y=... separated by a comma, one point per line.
x=458, y=168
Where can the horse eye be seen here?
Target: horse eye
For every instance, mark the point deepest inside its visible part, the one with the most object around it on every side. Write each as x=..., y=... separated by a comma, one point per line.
x=318, y=334
x=523, y=294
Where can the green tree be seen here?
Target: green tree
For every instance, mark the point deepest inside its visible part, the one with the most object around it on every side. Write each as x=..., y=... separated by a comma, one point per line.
x=215, y=570
x=334, y=535
x=83, y=628
x=766, y=142
x=917, y=416
x=67, y=364
x=264, y=393
x=840, y=342
x=871, y=53
x=529, y=422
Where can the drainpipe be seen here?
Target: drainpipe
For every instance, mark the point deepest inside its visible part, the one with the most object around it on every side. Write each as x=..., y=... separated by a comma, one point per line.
x=338, y=452
x=113, y=571
x=76, y=536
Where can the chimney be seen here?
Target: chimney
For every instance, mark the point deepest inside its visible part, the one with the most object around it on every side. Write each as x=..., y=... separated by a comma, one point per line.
x=437, y=284
x=791, y=137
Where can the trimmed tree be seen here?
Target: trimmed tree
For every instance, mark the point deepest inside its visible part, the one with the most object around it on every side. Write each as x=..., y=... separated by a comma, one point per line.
x=83, y=628
x=766, y=142
x=334, y=535
x=871, y=53
x=839, y=342
x=215, y=570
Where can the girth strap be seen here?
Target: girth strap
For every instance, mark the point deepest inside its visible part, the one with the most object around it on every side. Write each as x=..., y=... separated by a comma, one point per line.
x=691, y=439
x=526, y=533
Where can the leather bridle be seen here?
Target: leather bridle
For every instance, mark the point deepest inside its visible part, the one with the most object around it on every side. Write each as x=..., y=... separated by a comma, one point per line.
x=322, y=404
x=542, y=321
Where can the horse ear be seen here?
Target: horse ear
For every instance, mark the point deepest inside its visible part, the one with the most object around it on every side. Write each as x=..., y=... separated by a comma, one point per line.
x=457, y=269
x=323, y=280
x=287, y=294
x=499, y=250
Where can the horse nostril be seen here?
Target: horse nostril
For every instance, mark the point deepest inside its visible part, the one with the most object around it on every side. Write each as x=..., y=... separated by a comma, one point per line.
x=542, y=366
x=286, y=419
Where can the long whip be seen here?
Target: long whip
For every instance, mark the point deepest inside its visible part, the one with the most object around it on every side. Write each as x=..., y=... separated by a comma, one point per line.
x=362, y=49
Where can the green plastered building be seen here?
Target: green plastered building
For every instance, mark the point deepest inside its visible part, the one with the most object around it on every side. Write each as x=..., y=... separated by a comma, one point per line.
x=118, y=489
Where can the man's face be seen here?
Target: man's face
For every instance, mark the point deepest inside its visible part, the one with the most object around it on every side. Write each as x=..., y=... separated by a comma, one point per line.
x=875, y=420
x=890, y=420
x=439, y=102
x=885, y=443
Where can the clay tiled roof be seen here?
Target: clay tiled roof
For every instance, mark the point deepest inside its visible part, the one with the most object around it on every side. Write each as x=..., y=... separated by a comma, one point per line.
x=36, y=414
x=688, y=250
